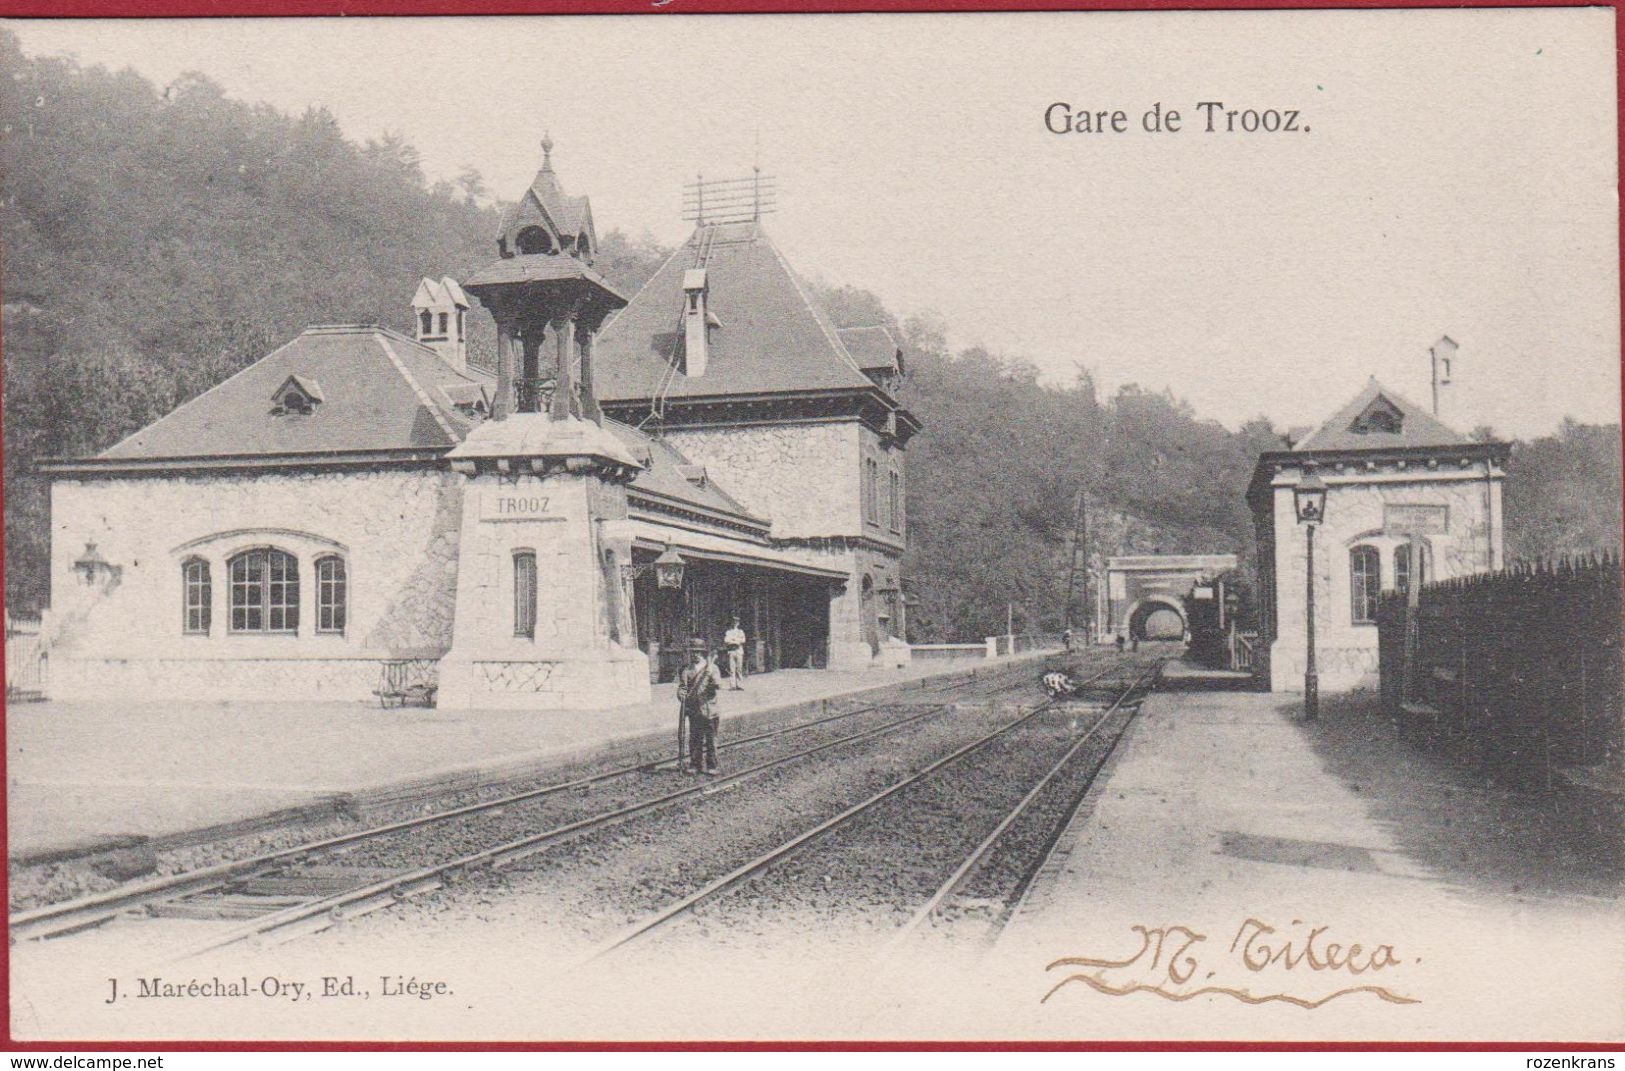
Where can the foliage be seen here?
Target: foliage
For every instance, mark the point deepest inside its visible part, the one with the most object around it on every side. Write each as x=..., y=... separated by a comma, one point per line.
x=1563, y=493
x=159, y=241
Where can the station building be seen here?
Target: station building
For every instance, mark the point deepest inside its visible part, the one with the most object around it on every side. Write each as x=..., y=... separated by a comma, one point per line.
x=1408, y=499
x=362, y=511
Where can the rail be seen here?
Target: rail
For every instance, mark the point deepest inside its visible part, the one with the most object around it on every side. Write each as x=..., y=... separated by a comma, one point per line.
x=974, y=860
x=681, y=907
x=67, y=917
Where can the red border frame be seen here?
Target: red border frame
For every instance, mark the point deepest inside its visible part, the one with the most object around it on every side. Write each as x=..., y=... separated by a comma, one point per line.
x=331, y=8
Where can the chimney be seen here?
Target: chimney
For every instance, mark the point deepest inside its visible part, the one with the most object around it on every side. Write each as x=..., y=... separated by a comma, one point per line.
x=1444, y=369
x=440, y=320
x=695, y=323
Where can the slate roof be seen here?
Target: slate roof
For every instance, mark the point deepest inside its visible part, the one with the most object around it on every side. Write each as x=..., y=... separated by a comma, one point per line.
x=771, y=337
x=379, y=391
x=1418, y=428
x=538, y=267
x=664, y=474
x=873, y=348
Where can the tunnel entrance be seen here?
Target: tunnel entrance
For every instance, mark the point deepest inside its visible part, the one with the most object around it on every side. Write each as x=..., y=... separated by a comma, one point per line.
x=1156, y=619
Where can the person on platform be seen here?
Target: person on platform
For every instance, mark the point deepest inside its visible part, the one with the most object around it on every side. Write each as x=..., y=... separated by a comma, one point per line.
x=697, y=688
x=734, y=642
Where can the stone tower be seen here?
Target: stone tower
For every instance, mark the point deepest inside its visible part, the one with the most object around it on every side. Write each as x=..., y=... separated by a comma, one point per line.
x=543, y=615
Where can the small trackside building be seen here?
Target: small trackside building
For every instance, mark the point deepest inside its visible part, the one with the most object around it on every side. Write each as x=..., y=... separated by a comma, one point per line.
x=1409, y=500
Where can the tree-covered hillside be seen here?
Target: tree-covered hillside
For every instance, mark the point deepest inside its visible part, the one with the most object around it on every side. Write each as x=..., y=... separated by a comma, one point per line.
x=158, y=240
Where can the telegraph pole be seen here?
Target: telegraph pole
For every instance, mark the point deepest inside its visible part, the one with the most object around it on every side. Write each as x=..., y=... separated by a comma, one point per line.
x=1080, y=550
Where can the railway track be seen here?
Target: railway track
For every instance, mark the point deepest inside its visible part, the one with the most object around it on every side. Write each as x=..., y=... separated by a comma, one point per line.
x=1040, y=814
x=285, y=893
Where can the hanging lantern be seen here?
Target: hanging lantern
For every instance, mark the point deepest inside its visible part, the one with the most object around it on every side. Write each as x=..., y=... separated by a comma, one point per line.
x=1309, y=497
x=669, y=569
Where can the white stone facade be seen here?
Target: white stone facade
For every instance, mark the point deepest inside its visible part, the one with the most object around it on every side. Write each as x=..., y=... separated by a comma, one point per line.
x=397, y=531
x=803, y=477
x=572, y=657
x=1463, y=493
x=809, y=479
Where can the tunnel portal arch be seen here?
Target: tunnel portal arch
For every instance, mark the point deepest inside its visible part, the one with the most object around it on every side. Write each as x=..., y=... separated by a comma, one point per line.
x=1157, y=617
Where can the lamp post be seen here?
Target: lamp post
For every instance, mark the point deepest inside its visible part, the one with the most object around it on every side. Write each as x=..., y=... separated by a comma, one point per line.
x=1309, y=502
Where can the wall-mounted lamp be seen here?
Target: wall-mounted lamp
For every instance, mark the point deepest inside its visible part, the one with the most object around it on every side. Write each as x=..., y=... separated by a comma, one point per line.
x=94, y=569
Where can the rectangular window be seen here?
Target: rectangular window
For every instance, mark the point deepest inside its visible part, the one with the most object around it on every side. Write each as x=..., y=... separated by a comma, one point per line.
x=248, y=593
x=894, y=514
x=332, y=595
x=198, y=591
x=282, y=595
x=871, y=491
x=524, y=594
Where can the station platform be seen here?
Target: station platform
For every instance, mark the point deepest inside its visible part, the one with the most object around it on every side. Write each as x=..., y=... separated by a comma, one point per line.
x=85, y=776
x=1226, y=814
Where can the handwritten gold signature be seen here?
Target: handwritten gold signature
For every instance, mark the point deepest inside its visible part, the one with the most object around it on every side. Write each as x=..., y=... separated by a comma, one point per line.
x=1170, y=958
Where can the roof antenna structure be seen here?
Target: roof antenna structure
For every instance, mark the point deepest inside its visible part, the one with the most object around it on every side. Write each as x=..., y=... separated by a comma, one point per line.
x=743, y=200
x=709, y=204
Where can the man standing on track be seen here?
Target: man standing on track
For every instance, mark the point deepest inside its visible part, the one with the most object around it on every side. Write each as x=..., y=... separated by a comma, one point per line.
x=697, y=688
x=734, y=641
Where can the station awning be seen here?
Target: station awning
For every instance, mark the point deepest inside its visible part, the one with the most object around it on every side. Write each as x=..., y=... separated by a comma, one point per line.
x=653, y=537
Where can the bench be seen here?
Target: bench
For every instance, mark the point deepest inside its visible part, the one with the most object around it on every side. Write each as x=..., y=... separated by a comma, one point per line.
x=405, y=682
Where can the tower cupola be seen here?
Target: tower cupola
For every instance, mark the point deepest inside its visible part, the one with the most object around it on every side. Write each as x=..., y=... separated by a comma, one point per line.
x=547, y=301
x=548, y=222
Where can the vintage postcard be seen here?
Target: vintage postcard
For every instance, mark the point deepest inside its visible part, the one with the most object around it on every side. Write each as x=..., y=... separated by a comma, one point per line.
x=1091, y=527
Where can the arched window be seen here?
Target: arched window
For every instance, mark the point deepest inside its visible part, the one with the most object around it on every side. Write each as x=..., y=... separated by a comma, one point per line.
x=534, y=240
x=1402, y=567
x=264, y=591
x=1365, y=584
x=332, y=594
x=445, y=327
x=196, y=600
x=425, y=322
x=524, y=593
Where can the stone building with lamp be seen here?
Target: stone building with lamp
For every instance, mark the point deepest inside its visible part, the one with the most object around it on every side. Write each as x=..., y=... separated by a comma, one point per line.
x=1408, y=499
x=364, y=514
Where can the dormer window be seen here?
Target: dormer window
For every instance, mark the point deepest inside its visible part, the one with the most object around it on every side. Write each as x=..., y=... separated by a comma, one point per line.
x=1381, y=417
x=425, y=322
x=534, y=240
x=583, y=246
x=298, y=395
x=445, y=323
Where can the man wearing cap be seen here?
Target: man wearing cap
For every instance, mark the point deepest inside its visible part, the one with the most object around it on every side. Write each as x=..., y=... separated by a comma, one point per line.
x=697, y=688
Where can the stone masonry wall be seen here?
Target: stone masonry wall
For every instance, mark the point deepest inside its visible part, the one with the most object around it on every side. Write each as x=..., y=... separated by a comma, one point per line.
x=804, y=477
x=1345, y=652
x=397, y=531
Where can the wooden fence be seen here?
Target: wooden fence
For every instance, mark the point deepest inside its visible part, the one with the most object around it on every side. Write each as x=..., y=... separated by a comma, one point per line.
x=27, y=661
x=1519, y=671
